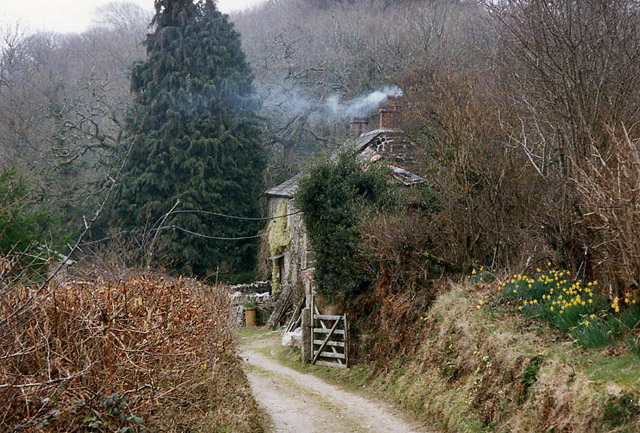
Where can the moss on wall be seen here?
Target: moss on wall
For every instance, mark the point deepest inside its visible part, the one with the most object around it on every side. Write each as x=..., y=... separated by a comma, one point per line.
x=279, y=240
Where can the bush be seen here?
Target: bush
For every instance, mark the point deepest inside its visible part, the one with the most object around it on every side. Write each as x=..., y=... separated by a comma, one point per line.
x=145, y=354
x=22, y=223
x=332, y=196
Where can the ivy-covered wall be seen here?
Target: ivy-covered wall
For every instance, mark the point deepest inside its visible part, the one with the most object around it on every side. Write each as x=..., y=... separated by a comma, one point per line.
x=279, y=240
x=288, y=238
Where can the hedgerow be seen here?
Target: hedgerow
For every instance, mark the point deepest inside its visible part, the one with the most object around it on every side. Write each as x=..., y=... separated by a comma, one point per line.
x=147, y=353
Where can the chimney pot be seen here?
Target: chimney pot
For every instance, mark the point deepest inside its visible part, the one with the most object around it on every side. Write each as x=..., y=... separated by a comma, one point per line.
x=390, y=113
x=358, y=126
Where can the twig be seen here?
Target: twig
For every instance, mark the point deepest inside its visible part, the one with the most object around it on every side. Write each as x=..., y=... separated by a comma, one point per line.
x=155, y=236
x=48, y=382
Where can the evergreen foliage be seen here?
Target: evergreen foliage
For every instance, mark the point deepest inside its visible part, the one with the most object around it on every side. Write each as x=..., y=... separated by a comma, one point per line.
x=199, y=140
x=22, y=223
x=333, y=196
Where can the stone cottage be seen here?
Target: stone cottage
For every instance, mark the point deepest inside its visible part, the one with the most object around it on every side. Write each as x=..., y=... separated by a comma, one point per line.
x=290, y=251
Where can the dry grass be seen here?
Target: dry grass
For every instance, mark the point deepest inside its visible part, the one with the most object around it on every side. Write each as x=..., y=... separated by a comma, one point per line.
x=149, y=353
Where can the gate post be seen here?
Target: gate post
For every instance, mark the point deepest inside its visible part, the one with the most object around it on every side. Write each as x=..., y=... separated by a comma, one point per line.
x=306, y=336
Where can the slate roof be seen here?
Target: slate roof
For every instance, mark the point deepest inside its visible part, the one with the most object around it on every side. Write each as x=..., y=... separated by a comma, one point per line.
x=286, y=189
x=364, y=152
x=359, y=143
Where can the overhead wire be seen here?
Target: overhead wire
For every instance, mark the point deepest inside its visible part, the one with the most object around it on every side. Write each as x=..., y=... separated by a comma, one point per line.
x=218, y=238
x=234, y=216
x=202, y=235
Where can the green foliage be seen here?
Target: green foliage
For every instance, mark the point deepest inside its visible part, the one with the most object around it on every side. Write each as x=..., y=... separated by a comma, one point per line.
x=619, y=410
x=482, y=275
x=530, y=375
x=573, y=307
x=629, y=317
x=278, y=240
x=115, y=413
x=22, y=223
x=199, y=141
x=333, y=196
x=593, y=335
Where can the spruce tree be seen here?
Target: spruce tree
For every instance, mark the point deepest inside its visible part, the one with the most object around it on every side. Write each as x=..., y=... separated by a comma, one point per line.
x=199, y=141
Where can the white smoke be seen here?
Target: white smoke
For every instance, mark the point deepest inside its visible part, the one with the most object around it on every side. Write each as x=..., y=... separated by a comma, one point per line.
x=361, y=106
x=332, y=109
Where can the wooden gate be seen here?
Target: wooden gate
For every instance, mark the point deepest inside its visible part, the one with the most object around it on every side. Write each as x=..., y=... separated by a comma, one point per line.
x=329, y=341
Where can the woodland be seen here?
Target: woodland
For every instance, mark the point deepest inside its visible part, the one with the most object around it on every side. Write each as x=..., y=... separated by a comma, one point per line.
x=526, y=112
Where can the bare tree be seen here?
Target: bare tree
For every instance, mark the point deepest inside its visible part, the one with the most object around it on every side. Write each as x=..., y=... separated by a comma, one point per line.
x=63, y=101
x=305, y=51
x=569, y=69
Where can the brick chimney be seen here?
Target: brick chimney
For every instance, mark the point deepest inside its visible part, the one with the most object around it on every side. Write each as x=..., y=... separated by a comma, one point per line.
x=391, y=114
x=358, y=126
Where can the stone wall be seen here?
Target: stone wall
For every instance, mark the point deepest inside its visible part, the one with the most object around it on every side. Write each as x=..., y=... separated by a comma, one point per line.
x=259, y=293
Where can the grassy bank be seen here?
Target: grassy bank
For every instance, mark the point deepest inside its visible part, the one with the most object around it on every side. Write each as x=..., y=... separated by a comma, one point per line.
x=495, y=370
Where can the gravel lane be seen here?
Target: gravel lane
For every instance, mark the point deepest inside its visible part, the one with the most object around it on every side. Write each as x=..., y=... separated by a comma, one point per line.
x=303, y=403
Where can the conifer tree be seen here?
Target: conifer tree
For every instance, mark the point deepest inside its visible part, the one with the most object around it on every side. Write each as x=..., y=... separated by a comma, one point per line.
x=199, y=141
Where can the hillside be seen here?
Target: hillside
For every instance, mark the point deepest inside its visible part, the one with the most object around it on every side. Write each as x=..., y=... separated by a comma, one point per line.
x=453, y=183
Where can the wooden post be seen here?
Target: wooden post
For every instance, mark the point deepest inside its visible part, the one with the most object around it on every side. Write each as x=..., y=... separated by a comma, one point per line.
x=346, y=340
x=281, y=306
x=307, y=340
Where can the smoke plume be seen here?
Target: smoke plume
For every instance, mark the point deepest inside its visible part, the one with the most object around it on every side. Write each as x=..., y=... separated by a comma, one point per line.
x=361, y=106
x=332, y=109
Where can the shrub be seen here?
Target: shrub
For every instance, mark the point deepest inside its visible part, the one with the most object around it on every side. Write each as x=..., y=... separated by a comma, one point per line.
x=144, y=354
x=332, y=195
x=392, y=250
x=22, y=223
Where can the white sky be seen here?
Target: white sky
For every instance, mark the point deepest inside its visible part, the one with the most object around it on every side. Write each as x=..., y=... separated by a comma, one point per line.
x=76, y=15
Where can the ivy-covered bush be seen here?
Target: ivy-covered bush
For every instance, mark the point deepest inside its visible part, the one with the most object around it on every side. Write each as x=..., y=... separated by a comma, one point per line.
x=333, y=196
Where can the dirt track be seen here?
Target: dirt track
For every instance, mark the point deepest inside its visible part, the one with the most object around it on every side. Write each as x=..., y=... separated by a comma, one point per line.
x=303, y=403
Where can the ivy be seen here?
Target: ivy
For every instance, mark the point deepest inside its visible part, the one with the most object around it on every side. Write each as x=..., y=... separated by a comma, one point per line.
x=333, y=195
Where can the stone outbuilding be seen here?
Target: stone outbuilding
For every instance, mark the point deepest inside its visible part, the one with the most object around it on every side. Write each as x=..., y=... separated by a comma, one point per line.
x=289, y=248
